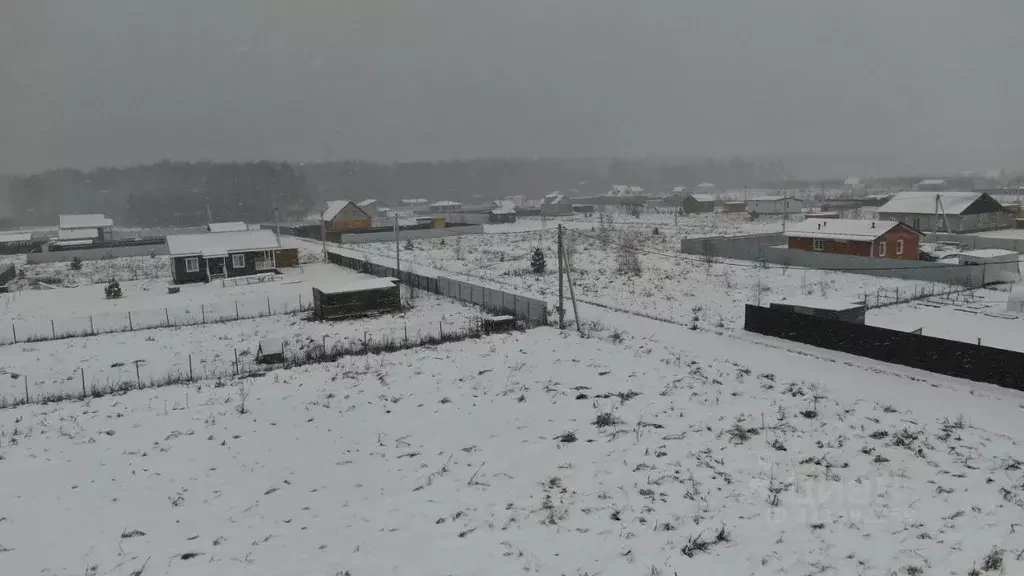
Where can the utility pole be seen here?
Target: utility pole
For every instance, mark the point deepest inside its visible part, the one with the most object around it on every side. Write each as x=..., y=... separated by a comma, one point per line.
x=277, y=222
x=323, y=237
x=398, y=263
x=572, y=295
x=561, y=296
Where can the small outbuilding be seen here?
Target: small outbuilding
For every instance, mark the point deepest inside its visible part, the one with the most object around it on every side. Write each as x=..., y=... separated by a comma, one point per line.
x=502, y=216
x=86, y=226
x=332, y=302
x=270, y=351
x=1001, y=266
x=699, y=203
x=828, y=308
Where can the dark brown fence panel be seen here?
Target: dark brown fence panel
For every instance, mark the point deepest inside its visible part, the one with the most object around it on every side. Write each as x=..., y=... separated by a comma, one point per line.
x=950, y=357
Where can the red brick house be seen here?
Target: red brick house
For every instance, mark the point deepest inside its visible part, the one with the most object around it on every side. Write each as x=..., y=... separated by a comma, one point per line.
x=868, y=238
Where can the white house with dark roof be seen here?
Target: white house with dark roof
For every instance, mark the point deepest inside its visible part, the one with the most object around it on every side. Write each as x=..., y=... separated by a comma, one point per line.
x=771, y=205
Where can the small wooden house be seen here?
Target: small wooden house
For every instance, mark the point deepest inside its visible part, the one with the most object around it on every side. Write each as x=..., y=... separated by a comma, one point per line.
x=210, y=256
x=226, y=227
x=735, y=207
x=342, y=215
x=502, y=216
x=355, y=298
x=699, y=203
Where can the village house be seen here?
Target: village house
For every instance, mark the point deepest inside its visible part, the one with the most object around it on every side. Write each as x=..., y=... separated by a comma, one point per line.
x=206, y=257
x=772, y=205
x=344, y=215
x=705, y=188
x=376, y=209
x=556, y=204
x=869, y=238
x=932, y=211
x=699, y=203
x=77, y=227
x=442, y=206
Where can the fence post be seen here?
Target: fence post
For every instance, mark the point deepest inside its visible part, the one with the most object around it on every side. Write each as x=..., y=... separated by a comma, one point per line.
x=406, y=333
x=138, y=378
x=53, y=329
x=300, y=301
x=268, y=305
x=82, y=370
x=236, y=310
x=236, y=361
x=26, y=389
x=202, y=310
x=191, y=378
x=130, y=326
x=14, y=331
x=167, y=318
x=92, y=328
x=440, y=328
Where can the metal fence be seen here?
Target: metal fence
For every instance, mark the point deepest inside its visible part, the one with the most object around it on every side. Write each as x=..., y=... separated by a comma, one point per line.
x=130, y=320
x=532, y=311
x=230, y=364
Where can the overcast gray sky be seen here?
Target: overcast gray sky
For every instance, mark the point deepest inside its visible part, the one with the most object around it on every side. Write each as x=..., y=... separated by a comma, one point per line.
x=99, y=82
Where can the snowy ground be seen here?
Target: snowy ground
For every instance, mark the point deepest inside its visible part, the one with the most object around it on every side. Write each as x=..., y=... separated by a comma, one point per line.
x=31, y=311
x=970, y=318
x=666, y=452
x=156, y=269
x=673, y=227
x=55, y=366
x=670, y=285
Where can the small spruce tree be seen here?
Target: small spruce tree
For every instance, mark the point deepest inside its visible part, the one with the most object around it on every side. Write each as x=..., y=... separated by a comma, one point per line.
x=113, y=290
x=76, y=263
x=537, y=262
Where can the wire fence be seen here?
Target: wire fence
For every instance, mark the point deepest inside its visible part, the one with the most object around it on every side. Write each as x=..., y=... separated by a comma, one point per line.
x=235, y=363
x=130, y=320
x=883, y=297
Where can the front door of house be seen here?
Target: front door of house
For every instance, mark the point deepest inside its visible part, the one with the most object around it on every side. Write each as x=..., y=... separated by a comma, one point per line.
x=216, y=267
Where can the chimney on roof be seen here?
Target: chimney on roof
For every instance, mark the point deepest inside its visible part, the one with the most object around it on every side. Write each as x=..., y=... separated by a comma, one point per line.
x=872, y=224
x=819, y=225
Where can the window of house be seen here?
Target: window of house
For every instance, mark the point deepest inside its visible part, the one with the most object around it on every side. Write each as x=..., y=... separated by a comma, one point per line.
x=899, y=247
x=191, y=264
x=238, y=260
x=819, y=244
x=881, y=248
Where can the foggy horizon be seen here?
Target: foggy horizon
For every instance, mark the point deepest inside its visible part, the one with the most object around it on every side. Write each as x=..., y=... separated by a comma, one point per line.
x=922, y=86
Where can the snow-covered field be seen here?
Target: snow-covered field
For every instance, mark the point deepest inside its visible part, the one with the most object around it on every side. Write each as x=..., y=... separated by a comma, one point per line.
x=84, y=308
x=106, y=359
x=156, y=270
x=673, y=227
x=981, y=316
x=680, y=287
x=676, y=452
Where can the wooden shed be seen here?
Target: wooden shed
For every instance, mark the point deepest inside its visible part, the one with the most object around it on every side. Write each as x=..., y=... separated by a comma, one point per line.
x=270, y=351
x=354, y=298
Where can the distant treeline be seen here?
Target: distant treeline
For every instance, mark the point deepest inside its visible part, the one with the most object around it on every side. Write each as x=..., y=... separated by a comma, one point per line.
x=178, y=193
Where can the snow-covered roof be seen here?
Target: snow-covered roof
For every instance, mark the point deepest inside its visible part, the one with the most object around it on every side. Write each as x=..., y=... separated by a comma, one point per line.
x=636, y=190
x=413, y=200
x=444, y=203
x=367, y=202
x=334, y=207
x=73, y=242
x=357, y=286
x=703, y=197
x=705, y=185
x=771, y=198
x=852, y=181
x=221, y=243
x=504, y=205
x=837, y=229
x=503, y=211
x=15, y=237
x=69, y=221
x=272, y=346
x=78, y=233
x=679, y=189
x=553, y=198
x=995, y=253
x=837, y=304
x=923, y=202
x=226, y=226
